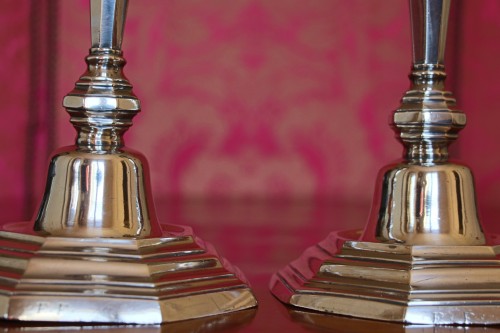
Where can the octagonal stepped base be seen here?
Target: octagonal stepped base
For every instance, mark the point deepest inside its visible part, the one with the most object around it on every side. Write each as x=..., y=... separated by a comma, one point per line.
x=391, y=282
x=133, y=281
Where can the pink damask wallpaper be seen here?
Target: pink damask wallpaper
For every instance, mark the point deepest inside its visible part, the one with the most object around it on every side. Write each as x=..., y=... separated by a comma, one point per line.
x=14, y=73
x=257, y=98
x=245, y=99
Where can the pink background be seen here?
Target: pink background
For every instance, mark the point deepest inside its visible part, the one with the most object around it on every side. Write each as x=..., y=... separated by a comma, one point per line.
x=246, y=99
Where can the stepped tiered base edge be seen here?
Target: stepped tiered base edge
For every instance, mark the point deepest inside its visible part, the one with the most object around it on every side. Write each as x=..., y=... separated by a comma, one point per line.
x=391, y=282
x=108, y=280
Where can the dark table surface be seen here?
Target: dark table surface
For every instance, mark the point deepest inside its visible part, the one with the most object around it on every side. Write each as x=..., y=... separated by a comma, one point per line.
x=260, y=237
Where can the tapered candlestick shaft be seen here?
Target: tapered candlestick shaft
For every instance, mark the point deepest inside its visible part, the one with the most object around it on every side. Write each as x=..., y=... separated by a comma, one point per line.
x=107, y=19
x=429, y=21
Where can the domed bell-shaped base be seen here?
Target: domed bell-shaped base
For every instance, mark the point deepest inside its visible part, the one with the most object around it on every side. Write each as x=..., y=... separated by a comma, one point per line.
x=422, y=259
x=425, y=205
x=92, y=194
x=97, y=253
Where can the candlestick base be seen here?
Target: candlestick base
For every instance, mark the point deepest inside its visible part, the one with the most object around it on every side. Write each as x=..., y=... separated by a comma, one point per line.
x=417, y=284
x=115, y=280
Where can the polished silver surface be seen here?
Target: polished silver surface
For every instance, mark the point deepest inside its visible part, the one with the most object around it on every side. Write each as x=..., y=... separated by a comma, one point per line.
x=429, y=23
x=230, y=322
x=95, y=252
x=423, y=257
x=417, y=204
x=97, y=195
x=107, y=21
x=414, y=284
x=98, y=188
x=115, y=280
x=320, y=322
x=424, y=199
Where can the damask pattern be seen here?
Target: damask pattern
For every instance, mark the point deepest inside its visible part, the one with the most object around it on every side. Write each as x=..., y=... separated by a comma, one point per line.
x=14, y=73
x=479, y=86
x=260, y=99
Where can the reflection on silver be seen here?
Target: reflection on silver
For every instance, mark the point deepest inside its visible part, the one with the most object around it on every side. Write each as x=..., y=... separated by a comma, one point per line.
x=96, y=252
x=202, y=325
x=424, y=199
x=423, y=257
x=420, y=204
x=98, y=188
x=319, y=322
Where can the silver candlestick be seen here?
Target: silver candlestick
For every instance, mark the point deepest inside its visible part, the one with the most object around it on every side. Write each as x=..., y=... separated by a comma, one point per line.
x=97, y=252
x=423, y=257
